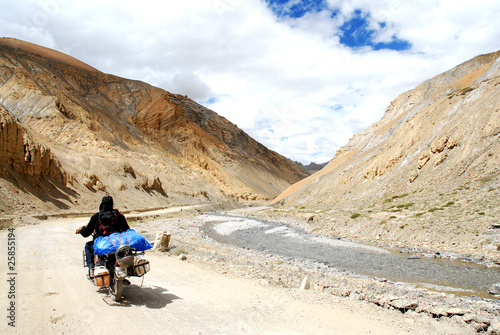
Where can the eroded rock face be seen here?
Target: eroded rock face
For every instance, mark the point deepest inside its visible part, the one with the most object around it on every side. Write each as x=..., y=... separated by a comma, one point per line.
x=20, y=154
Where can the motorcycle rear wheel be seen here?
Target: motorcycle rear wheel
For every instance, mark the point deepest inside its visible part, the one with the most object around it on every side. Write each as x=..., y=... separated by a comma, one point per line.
x=116, y=289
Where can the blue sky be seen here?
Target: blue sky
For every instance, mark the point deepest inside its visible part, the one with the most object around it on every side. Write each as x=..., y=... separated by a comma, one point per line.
x=354, y=33
x=296, y=9
x=301, y=77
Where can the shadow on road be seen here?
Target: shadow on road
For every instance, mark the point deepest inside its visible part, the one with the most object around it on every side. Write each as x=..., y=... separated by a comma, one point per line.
x=148, y=296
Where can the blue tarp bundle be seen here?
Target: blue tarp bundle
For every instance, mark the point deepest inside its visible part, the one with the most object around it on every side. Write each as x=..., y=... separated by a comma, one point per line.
x=107, y=244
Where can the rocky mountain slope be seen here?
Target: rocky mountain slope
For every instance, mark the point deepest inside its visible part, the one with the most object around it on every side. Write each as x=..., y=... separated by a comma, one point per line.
x=426, y=175
x=71, y=134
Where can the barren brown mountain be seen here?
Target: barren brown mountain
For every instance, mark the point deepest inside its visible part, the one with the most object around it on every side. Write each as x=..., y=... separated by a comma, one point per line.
x=426, y=175
x=71, y=134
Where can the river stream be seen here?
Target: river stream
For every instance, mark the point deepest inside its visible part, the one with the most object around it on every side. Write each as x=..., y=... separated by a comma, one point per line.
x=294, y=243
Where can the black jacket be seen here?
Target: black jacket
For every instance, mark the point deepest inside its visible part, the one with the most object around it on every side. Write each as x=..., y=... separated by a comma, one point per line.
x=91, y=228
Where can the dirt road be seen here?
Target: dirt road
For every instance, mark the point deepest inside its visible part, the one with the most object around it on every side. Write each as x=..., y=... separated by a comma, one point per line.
x=52, y=296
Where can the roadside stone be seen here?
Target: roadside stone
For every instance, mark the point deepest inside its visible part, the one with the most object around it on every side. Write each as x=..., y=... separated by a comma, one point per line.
x=469, y=317
x=386, y=300
x=479, y=326
x=305, y=283
x=182, y=257
x=342, y=291
x=423, y=308
x=455, y=311
x=162, y=241
x=372, y=298
x=438, y=312
x=494, y=289
x=483, y=319
x=404, y=304
x=494, y=328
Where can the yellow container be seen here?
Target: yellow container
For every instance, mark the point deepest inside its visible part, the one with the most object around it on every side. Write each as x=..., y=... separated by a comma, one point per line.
x=101, y=276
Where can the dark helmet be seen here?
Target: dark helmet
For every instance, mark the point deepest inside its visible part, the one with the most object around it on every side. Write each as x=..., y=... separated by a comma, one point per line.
x=106, y=204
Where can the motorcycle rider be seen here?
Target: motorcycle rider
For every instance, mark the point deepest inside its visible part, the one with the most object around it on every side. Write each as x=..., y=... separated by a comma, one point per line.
x=103, y=223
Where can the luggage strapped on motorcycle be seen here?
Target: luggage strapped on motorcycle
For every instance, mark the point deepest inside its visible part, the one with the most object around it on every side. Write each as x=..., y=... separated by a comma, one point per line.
x=111, y=243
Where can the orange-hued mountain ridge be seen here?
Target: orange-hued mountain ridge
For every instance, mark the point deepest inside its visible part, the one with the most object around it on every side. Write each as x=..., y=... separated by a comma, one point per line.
x=71, y=134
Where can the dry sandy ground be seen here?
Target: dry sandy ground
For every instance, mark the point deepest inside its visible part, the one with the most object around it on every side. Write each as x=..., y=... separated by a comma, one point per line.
x=177, y=297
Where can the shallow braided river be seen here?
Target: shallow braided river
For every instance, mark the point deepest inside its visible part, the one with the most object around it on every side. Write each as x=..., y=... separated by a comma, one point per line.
x=294, y=243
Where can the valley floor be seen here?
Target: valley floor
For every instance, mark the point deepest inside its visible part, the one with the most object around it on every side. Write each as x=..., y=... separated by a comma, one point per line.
x=216, y=290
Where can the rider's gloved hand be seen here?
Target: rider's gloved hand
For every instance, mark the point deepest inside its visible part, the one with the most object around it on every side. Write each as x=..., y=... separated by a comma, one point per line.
x=78, y=230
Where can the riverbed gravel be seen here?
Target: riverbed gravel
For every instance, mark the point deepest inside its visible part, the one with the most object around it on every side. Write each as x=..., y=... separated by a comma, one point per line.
x=472, y=314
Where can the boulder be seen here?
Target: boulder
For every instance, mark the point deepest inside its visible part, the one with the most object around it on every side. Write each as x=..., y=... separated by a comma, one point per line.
x=162, y=240
x=438, y=312
x=494, y=328
x=439, y=145
x=455, y=311
x=422, y=159
x=494, y=289
x=413, y=175
x=403, y=304
x=440, y=158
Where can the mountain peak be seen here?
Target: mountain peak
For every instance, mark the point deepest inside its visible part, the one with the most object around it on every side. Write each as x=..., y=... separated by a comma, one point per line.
x=109, y=135
x=44, y=52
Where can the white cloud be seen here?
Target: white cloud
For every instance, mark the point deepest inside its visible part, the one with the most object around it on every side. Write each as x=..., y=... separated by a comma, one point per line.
x=289, y=83
x=191, y=85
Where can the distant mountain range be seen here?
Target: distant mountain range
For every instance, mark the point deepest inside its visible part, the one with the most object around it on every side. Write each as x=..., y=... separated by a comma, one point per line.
x=312, y=167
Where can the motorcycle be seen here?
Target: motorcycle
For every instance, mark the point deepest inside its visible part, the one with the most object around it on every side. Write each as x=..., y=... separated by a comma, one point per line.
x=112, y=269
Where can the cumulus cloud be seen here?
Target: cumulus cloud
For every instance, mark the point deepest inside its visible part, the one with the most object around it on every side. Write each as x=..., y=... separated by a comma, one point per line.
x=301, y=77
x=191, y=85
